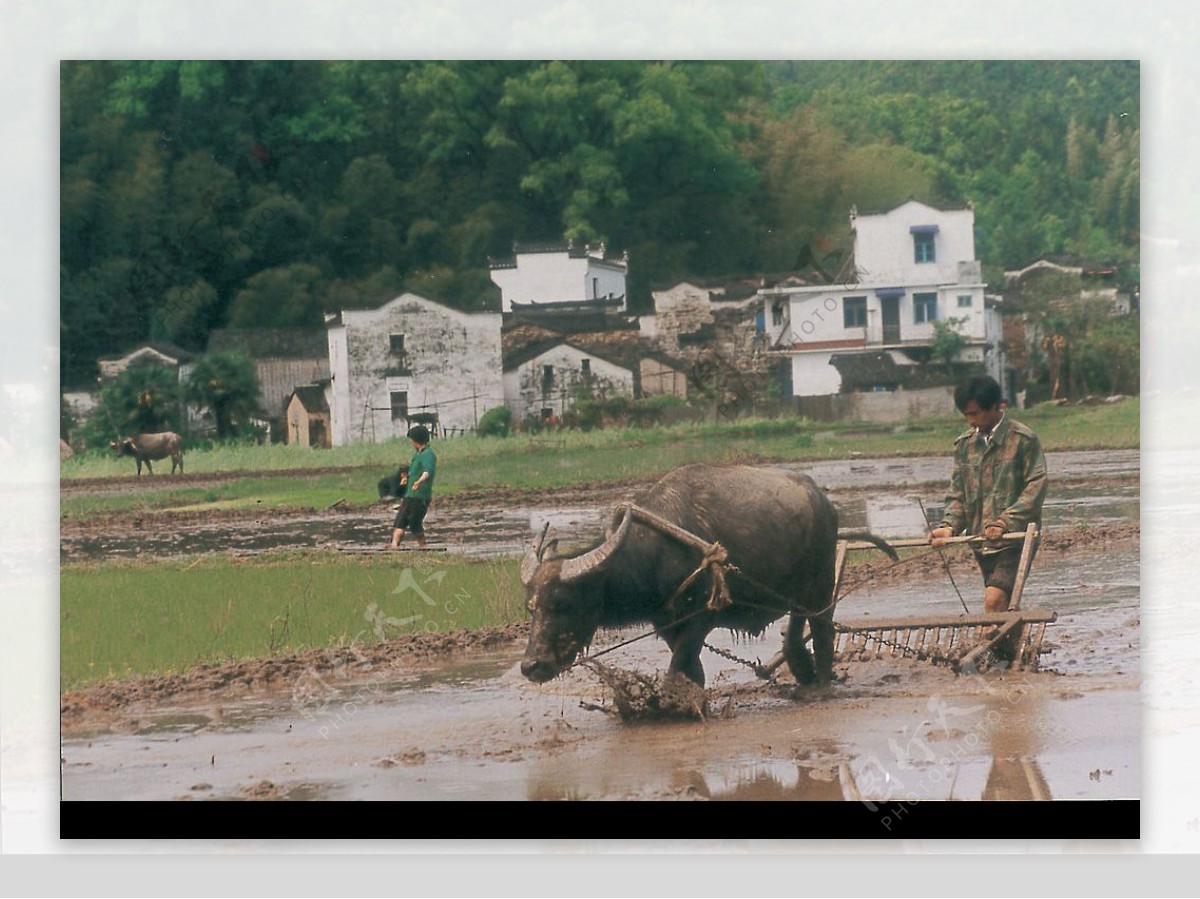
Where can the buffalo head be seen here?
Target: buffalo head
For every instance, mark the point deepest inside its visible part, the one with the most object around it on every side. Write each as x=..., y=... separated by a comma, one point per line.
x=561, y=596
x=123, y=447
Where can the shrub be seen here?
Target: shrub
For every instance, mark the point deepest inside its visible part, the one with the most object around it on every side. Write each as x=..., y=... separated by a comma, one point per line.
x=496, y=422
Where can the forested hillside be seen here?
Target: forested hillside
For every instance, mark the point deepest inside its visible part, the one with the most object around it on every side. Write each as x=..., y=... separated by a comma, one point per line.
x=197, y=195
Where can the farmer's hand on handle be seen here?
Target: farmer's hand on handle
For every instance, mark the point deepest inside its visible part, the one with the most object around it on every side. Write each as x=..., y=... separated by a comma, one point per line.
x=994, y=531
x=939, y=536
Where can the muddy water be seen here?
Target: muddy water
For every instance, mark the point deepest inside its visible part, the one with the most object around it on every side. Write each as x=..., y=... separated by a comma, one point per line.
x=885, y=495
x=475, y=729
x=892, y=728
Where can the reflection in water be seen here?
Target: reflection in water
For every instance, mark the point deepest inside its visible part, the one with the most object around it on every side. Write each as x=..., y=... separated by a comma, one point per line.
x=1016, y=779
x=1015, y=773
x=768, y=782
x=1008, y=779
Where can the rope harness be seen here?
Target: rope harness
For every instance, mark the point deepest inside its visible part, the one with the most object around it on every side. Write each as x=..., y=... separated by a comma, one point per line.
x=715, y=559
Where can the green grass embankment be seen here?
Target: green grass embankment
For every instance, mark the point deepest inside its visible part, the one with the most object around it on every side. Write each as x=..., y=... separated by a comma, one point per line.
x=319, y=478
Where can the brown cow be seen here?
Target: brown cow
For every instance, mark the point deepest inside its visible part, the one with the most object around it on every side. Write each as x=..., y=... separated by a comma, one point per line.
x=144, y=447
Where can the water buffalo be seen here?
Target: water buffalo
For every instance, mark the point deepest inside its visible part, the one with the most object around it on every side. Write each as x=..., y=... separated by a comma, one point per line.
x=145, y=447
x=779, y=530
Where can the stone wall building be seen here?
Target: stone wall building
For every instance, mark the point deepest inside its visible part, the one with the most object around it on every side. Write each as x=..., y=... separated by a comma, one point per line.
x=411, y=356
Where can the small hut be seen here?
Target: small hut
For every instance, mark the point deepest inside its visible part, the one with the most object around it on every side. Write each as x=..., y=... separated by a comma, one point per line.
x=308, y=416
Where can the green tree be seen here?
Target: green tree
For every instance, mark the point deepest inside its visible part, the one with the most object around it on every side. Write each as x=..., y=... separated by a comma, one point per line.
x=142, y=399
x=226, y=385
x=948, y=341
x=289, y=296
x=1110, y=356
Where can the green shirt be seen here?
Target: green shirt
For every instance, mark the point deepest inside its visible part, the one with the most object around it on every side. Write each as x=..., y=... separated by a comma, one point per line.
x=424, y=461
x=1002, y=478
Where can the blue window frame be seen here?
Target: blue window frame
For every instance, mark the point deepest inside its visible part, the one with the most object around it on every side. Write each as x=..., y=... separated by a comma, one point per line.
x=923, y=248
x=854, y=312
x=924, y=307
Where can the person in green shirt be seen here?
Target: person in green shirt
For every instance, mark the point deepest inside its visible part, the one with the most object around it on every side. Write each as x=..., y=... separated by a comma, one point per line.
x=998, y=485
x=410, y=515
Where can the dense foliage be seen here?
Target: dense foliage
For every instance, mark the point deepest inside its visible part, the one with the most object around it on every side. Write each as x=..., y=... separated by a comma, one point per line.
x=203, y=194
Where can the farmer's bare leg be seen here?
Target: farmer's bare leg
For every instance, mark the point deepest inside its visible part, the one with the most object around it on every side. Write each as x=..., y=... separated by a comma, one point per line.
x=995, y=600
x=397, y=536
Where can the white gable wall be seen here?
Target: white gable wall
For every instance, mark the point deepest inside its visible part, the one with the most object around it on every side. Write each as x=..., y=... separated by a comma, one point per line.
x=451, y=366
x=557, y=278
x=523, y=385
x=883, y=245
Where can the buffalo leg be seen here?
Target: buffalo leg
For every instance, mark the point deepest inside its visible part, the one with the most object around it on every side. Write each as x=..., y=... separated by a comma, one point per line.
x=823, y=638
x=686, y=644
x=799, y=661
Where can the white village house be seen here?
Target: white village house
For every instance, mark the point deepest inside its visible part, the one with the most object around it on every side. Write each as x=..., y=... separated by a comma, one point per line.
x=549, y=274
x=410, y=360
x=546, y=379
x=562, y=307
x=913, y=265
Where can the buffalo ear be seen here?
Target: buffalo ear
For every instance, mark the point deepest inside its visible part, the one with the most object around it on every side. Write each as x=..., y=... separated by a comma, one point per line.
x=550, y=550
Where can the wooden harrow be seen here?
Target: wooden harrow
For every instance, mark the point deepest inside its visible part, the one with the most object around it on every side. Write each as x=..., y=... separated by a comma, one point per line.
x=969, y=643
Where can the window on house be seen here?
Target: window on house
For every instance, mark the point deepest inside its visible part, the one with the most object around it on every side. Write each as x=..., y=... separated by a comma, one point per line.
x=396, y=344
x=776, y=315
x=924, y=307
x=923, y=250
x=595, y=288
x=854, y=312
x=587, y=366
x=964, y=302
x=399, y=404
x=547, y=378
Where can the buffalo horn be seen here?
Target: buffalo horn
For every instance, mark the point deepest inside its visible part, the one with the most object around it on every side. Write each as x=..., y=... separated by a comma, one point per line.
x=573, y=569
x=533, y=556
x=529, y=565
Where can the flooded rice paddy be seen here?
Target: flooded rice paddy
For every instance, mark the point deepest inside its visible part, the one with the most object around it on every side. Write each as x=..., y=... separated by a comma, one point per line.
x=471, y=727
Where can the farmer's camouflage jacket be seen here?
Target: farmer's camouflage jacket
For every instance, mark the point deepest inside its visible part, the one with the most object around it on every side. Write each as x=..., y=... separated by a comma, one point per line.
x=1004, y=480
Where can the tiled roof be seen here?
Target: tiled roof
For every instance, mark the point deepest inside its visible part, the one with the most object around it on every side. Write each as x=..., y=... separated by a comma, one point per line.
x=312, y=397
x=266, y=343
x=166, y=349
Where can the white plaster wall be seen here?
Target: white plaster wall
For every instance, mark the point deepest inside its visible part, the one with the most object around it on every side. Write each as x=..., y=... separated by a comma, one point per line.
x=339, y=393
x=555, y=278
x=812, y=375
x=815, y=317
x=883, y=245
x=523, y=385
x=453, y=367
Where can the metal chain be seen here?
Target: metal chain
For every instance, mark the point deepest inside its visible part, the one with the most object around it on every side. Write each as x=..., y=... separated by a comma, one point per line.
x=724, y=653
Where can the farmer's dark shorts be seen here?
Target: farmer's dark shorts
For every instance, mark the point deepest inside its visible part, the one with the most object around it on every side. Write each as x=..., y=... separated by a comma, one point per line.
x=1000, y=569
x=411, y=516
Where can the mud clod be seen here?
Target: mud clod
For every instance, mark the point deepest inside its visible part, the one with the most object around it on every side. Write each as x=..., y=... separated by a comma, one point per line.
x=640, y=698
